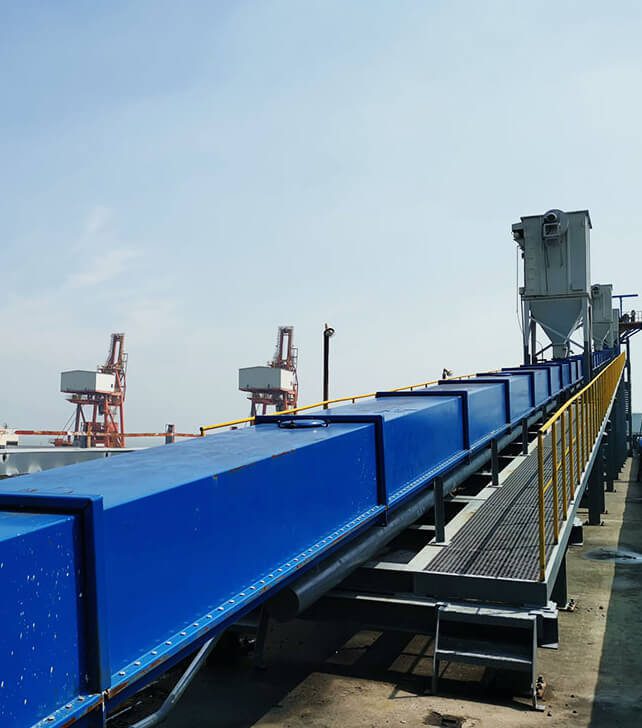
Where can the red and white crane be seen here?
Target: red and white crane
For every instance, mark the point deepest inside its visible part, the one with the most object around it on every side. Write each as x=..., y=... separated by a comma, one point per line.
x=99, y=398
x=275, y=385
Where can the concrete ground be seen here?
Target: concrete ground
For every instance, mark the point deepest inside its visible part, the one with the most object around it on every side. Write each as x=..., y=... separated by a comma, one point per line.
x=325, y=676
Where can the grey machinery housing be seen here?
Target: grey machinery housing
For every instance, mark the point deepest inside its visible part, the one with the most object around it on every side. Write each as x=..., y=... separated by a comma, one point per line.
x=557, y=289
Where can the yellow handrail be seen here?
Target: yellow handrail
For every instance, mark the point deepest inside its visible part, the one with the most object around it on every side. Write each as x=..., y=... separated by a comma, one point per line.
x=352, y=398
x=581, y=418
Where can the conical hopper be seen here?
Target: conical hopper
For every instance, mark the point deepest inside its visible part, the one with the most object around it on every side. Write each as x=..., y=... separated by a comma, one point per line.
x=600, y=331
x=559, y=319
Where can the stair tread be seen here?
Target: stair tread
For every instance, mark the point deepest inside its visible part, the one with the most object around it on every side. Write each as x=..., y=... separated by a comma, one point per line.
x=512, y=659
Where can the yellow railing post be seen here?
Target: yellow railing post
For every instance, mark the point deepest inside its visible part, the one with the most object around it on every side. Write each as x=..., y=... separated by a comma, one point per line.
x=587, y=448
x=586, y=431
x=589, y=413
x=564, y=476
x=556, y=525
x=583, y=420
x=542, y=528
x=578, y=444
x=571, y=453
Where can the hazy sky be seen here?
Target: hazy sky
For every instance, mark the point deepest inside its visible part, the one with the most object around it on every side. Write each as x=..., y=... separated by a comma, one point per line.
x=197, y=173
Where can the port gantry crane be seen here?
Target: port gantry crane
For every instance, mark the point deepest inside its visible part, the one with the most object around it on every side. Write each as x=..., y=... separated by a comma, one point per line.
x=275, y=385
x=104, y=424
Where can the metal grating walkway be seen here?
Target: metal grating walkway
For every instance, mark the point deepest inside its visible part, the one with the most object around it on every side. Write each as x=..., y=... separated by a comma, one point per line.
x=501, y=539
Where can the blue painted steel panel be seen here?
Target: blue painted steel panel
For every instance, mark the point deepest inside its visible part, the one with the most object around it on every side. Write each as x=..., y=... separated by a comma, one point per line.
x=578, y=369
x=41, y=660
x=421, y=436
x=267, y=501
x=566, y=373
x=554, y=375
x=255, y=492
x=529, y=374
x=520, y=393
x=486, y=405
x=577, y=360
x=189, y=527
x=541, y=385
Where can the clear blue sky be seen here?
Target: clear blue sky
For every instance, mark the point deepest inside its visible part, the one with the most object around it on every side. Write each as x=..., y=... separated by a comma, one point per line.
x=197, y=173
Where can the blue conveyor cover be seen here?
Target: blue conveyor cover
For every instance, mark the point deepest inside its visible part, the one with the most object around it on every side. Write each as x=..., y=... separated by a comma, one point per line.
x=112, y=569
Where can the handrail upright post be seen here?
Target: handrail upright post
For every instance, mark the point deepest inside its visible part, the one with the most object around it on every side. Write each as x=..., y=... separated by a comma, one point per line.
x=589, y=446
x=564, y=475
x=583, y=418
x=584, y=432
x=556, y=525
x=571, y=452
x=602, y=407
x=542, y=530
x=578, y=443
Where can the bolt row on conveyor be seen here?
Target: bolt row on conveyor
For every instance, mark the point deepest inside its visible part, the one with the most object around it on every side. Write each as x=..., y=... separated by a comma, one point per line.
x=114, y=570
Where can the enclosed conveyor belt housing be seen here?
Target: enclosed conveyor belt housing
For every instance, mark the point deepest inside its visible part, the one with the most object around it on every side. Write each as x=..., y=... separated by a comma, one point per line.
x=112, y=571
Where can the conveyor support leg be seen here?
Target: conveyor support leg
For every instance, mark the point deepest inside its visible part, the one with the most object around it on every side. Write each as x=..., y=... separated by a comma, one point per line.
x=261, y=637
x=494, y=462
x=596, y=490
x=440, y=517
x=524, y=437
x=560, y=593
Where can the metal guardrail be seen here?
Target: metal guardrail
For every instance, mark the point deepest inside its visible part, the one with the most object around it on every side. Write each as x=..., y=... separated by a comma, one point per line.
x=631, y=317
x=572, y=432
x=352, y=398
x=85, y=433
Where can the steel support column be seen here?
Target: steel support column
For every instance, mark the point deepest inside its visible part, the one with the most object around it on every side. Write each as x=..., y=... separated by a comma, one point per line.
x=620, y=412
x=588, y=338
x=627, y=399
x=526, y=327
x=609, y=459
x=533, y=341
x=560, y=592
x=494, y=462
x=596, y=490
x=440, y=516
x=524, y=437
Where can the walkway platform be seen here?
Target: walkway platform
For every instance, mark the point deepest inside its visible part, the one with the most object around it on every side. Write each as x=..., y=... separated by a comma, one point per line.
x=496, y=550
x=491, y=547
